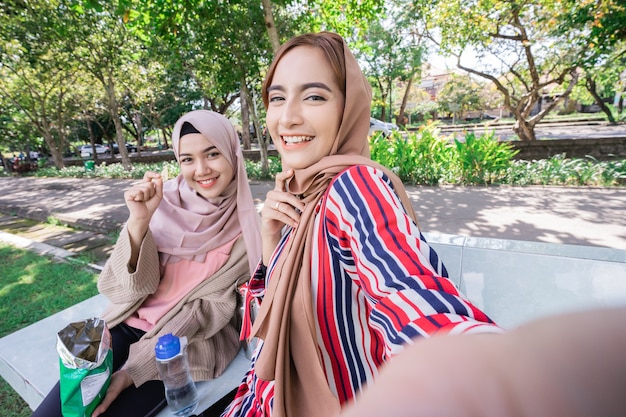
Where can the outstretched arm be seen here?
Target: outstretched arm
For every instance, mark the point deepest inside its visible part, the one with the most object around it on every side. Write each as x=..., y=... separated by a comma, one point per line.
x=567, y=365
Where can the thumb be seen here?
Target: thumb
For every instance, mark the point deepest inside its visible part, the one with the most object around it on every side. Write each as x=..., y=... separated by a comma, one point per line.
x=99, y=410
x=158, y=186
x=104, y=405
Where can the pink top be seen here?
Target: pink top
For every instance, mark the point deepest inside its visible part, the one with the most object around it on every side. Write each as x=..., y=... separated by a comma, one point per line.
x=177, y=280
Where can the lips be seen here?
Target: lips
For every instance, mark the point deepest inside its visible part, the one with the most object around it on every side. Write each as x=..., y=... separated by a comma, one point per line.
x=297, y=139
x=207, y=183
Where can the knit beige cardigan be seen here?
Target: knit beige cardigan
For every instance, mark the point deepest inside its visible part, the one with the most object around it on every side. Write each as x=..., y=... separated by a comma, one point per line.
x=207, y=315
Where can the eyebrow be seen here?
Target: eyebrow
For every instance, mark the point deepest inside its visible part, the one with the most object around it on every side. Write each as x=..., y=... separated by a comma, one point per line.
x=302, y=88
x=210, y=148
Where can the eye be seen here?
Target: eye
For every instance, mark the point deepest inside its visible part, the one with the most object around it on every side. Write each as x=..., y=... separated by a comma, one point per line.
x=213, y=154
x=276, y=99
x=315, y=97
x=185, y=160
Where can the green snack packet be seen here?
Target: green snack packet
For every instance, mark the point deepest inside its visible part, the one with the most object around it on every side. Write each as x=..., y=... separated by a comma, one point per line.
x=85, y=362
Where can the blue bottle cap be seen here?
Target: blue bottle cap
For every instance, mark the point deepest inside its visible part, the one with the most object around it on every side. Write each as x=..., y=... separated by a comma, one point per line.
x=167, y=347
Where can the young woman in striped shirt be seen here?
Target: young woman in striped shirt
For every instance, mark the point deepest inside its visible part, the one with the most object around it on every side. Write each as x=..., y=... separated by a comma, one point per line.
x=350, y=280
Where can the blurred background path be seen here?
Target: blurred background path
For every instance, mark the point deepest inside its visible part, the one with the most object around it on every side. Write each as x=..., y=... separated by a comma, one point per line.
x=567, y=215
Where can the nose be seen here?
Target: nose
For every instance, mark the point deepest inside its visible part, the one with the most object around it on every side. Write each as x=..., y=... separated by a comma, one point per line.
x=203, y=167
x=291, y=113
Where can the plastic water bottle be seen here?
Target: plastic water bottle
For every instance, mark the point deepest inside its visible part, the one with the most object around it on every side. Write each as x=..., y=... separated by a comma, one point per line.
x=180, y=390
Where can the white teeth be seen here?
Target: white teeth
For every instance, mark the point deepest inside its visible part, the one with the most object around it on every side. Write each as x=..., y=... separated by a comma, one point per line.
x=206, y=181
x=297, y=139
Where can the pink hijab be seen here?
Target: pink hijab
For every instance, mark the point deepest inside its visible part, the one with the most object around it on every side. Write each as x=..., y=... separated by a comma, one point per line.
x=187, y=225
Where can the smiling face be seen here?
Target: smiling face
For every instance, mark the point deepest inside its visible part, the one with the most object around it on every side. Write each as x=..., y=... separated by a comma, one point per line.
x=203, y=167
x=305, y=106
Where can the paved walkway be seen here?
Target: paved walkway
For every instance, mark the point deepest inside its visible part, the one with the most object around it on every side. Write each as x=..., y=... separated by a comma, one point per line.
x=587, y=216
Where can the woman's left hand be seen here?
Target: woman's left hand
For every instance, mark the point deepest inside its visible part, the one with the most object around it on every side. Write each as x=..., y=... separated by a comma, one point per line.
x=120, y=380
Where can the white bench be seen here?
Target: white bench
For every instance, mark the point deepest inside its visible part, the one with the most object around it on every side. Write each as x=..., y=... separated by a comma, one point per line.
x=512, y=281
x=518, y=281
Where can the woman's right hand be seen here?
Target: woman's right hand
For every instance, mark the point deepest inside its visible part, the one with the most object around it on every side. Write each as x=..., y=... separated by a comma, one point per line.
x=143, y=198
x=280, y=208
x=120, y=380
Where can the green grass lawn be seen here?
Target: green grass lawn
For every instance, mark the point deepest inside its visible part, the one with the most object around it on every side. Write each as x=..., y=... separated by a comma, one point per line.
x=33, y=287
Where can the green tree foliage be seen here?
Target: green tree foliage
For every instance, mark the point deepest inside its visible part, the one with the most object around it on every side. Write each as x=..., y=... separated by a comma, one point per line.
x=598, y=29
x=39, y=81
x=388, y=55
x=516, y=48
x=209, y=42
x=67, y=62
x=461, y=91
x=96, y=37
x=351, y=19
x=596, y=26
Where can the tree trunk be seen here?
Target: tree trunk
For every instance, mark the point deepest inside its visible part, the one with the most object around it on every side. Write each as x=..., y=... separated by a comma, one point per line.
x=383, y=108
x=245, y=114
x=92, y=140
x=524, y=130
x=401, y=117
x=166, y=143
x=265, y=166
x=592, y=88
x=55, y=151
x=164, y=136
x=119, y=132
x=139, y=127
x=390, y=95
x=270, y=26
x=42, y=125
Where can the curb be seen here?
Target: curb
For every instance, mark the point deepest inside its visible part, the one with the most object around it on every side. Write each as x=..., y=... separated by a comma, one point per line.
x=40, y=248
x=99, y=226
x=43, y=249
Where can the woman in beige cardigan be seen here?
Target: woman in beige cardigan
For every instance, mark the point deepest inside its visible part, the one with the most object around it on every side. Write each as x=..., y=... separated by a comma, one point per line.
x=187, y=245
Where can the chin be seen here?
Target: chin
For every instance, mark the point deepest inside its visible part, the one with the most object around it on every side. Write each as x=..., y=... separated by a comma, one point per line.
x=298, y=163
x=207, y=194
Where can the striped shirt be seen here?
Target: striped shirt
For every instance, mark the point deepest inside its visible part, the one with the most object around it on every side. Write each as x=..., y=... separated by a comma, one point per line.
x=376, y=286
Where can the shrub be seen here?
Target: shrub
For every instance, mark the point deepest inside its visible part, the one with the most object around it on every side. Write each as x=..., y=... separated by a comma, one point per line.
x=254, y=170
x=483, y=160
x=560, y=170
x=434, y=157
x=425, y=157
x=393, y=151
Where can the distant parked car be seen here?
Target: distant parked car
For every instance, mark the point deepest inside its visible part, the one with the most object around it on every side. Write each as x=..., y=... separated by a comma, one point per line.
x=86, y=151
x=129, y=148
x=378, y=125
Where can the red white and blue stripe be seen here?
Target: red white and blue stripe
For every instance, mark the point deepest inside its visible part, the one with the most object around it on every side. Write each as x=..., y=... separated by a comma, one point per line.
x=376, y=284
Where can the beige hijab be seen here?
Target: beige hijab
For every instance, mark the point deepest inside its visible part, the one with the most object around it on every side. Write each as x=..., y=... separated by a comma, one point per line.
x=186, y=225
x=286, y=320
